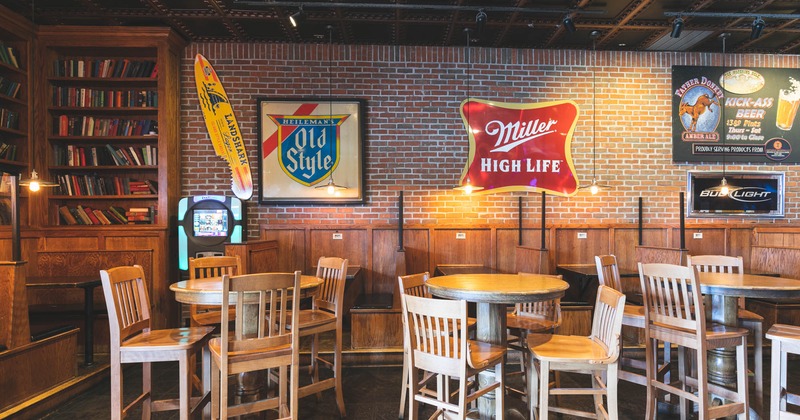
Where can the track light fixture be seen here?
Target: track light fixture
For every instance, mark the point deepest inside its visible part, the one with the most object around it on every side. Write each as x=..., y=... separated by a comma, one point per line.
x=677, y=27
x=480, y=21
x=569, y=24
x=297, y=17
x=758, y=26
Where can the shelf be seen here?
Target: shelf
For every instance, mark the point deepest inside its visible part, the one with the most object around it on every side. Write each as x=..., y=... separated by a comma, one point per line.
x=104, y=197
x=105, y=168
x=103, y=139
x=14, y=163
x=8, y=99
x=104, y=110
x=142, y=81
x=4, y=66
x=12, y=131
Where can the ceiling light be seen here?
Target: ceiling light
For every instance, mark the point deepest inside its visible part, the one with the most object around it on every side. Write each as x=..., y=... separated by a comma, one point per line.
x=723, y=187
x=569, y=24
x=758, y=26
x=595, y=186
x=34, y=183
x=467, y=186
x=677, y=27
x=298, y=17
x=331, y=187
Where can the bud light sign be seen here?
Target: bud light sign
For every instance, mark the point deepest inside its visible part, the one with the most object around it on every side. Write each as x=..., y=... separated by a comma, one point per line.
x=756, y=194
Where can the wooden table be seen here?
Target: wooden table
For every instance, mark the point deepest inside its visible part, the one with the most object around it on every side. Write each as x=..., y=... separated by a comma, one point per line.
x=87, y=283
x=451, y=269
x=725, y=290
x=491, y=293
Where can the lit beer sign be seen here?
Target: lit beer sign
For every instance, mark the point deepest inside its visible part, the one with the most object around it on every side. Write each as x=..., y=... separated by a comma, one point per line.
x=520, y=147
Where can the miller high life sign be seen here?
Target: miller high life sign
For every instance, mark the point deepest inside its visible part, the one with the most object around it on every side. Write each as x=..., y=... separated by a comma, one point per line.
x=520, y=147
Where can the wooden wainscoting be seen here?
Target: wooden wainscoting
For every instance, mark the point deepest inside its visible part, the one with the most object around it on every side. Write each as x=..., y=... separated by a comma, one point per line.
x=257, y=256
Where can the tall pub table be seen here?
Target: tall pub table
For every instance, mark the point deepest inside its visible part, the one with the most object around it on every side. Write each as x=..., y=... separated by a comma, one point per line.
x=725, y=290
x=491, y=293
x=208, y=291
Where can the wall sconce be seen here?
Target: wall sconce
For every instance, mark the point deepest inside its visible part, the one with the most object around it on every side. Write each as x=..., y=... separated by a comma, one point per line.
x=569, y=24
x=677, y=27
x=297, y=17
x=480, y=21
x=758, y=26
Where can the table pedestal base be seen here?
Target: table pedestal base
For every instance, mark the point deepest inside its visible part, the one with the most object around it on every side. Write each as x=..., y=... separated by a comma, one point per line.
x=494, y=332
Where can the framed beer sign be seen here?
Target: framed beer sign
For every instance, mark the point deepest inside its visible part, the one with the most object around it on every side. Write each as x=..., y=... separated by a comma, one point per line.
x=758, y=123
x=750, y=194
x=311, y=151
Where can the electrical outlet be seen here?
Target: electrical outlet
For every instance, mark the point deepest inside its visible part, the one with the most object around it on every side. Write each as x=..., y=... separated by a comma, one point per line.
x=461, y=235
x=697, y=235
x=337, y=236
x=581, y=235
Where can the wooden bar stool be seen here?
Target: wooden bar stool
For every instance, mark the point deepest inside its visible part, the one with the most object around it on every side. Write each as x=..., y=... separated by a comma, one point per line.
x=785, y=340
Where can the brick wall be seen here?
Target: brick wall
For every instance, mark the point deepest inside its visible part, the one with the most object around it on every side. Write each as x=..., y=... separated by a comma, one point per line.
x=415, y=140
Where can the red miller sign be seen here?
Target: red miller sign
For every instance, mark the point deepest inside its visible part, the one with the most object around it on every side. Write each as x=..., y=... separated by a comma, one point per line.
x=520, y=147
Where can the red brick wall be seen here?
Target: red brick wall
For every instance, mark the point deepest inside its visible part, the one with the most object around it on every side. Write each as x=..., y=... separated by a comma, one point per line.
x=415, y=140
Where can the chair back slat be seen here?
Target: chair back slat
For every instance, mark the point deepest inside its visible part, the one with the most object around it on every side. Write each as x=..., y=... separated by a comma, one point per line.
x=126, y=297
x=669, y=294
x=607, y=322
x=414, y=284
x=547, y=310
x=216, y=266
x=608, y=271
x=330, y=294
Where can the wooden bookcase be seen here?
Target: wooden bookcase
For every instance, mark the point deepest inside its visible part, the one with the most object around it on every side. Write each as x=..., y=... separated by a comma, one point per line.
x=15, y=104
x=108, y=91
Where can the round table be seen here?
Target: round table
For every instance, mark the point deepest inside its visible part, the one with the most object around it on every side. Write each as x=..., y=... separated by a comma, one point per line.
x=725, y=289
x=208, y=291
x=491, y=293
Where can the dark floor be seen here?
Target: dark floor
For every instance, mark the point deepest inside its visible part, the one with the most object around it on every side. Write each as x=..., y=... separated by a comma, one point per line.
x=369, y=393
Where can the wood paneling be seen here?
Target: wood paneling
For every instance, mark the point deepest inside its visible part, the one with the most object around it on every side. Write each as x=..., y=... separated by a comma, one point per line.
x=770, y=259
x=37, y=366
x=573, y=250
x=14, y=328
x=474, y=248
x=352, y=246
x=739, y=243
x=257, y=256
x=291, y=248
x=576, y=320
x=531, y=260
x=417, y=243
x=376, y=328
x=626, y=240
x=384, y=247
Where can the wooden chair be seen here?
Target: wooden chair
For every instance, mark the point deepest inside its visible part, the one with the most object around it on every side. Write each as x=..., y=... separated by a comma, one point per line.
x=436, y=334
x=596, y=354
x=217, y=266
x=785, y=340
x=326, y=314
x=674, y=312
x=133, y=341
x=747, y=319
x=633, y=316
x=265, y=336
x=530, y=317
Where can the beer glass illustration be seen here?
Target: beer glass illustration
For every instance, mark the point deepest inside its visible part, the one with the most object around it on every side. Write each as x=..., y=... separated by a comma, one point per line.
x=788, y=101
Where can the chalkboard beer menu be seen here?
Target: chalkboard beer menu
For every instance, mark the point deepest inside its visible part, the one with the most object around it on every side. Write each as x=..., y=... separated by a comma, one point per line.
x=760, y=117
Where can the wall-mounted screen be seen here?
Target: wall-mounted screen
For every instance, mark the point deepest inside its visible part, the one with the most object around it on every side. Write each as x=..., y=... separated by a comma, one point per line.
x=750, y=194
x=211, y=222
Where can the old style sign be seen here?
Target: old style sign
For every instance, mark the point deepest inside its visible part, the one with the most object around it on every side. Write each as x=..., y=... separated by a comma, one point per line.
x=520, y=147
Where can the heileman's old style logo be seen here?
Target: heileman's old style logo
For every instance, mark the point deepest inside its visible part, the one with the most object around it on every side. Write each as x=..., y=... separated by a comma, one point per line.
x=308, y=145
x=520, y=147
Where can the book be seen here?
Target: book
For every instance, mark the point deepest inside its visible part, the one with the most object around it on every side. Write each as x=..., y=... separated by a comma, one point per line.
x=101, y=217
x=90, y=214
x=112, y=217
x=77, y=215
x=67, y=216
x=83, y=216
x=153, y=185
x=119, y=212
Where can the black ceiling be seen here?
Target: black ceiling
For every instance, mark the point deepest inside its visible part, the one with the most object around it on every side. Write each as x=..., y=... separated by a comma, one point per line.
x=632, y=25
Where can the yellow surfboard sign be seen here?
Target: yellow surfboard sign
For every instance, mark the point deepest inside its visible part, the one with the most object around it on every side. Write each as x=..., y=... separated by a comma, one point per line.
x=223, y=127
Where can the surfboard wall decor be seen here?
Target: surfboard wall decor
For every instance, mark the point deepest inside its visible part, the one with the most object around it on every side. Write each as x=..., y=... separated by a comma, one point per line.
x=223, y=127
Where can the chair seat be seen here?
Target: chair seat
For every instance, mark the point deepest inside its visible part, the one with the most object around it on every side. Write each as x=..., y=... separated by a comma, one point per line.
x=717, y=335
x=565, y=348
x=745, y=315
x=212, y=317
x=784, y=332
x=529, y=323
x=482, y=354
x=247, y=355
x=633, y=316
x=314, y=318
x=168, y=339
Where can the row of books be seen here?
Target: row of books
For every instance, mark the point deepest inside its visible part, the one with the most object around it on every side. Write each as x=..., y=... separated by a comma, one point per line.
x=121, y=68
x=9, y=119
x=113, y=215
x=91, y=126
x=92, y=185
x=8, y=151
x=108, y=155
x=8, y=55
x=9, y=87
x=103, y=98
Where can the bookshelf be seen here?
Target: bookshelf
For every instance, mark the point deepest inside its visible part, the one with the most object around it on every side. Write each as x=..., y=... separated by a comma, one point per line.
x=110, y=101
x=15, y=107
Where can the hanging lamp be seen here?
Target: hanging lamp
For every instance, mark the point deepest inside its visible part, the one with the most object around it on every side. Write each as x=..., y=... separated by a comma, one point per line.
x=34, y=183
x=723, y=186
x=595, y=186
x=331, y=187
x=467, y=186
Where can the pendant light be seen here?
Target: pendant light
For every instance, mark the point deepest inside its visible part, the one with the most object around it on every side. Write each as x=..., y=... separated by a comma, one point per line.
x=331, y=187
x=595, y=186
x=723, y=187
x=467, y=187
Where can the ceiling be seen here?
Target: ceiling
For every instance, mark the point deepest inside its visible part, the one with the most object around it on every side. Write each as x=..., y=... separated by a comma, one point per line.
x=629, y=25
